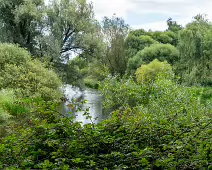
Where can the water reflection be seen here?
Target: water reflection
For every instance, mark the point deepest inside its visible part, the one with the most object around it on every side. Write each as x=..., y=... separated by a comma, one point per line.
x=94, y=104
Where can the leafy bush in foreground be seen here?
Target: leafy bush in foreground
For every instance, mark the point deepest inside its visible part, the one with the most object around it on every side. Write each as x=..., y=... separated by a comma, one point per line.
x=176, y=135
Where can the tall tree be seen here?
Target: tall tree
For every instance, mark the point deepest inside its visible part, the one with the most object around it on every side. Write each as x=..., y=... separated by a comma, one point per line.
x=72, y=27
x=21, y=20
x=115, y=31
x=173, y=26
x=195, y=52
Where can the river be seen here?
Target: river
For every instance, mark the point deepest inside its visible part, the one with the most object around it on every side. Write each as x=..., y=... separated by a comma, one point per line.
x=94, y=102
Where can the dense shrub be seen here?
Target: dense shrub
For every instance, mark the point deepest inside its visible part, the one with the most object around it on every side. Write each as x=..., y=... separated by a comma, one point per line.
x=158, y=135
x=122, y=92
x=147, y=74
x=27, y=77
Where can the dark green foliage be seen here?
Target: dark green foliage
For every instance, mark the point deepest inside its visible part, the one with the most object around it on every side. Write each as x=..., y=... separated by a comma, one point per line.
x=162, y=52
x=156, y=124
x=21, y=22
x=163, y=37
x=173, y=26
x=122, y=93
x=115, y=31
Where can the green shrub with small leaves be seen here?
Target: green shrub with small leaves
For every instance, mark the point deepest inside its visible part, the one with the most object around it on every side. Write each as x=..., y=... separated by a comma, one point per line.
x=147, y=74
x=27, y=77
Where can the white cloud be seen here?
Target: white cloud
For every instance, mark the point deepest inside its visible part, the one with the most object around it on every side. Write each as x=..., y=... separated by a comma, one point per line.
x=184, y=10
x=154, y=26
x=109, y=7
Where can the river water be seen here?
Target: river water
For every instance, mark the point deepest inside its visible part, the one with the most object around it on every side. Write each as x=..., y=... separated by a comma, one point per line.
x=94, y=102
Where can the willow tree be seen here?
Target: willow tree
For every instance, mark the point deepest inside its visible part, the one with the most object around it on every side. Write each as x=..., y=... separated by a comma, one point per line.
x=115, y=31
x=72, y=28
x=21, y=22
x=195, y=52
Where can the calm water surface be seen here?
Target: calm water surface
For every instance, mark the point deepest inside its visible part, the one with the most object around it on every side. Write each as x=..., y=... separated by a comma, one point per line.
x=94, y=101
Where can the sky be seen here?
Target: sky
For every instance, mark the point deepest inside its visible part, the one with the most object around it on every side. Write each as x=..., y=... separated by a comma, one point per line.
x=152, y=14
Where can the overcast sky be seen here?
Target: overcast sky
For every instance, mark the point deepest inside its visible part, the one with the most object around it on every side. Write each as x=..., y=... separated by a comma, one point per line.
x=152, y=14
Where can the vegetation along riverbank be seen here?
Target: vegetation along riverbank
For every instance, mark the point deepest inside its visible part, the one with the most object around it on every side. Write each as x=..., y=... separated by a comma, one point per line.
x=157, y=85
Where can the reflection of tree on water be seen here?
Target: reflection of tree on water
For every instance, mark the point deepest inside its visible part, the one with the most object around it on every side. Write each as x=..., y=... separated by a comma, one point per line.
x=76, y=106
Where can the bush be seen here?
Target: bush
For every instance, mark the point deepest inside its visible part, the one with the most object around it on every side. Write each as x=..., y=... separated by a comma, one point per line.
x=147, y=74
x=122, y=92
x=161, y=52
x=176, y=135
x=163, y=37
x=27, y=77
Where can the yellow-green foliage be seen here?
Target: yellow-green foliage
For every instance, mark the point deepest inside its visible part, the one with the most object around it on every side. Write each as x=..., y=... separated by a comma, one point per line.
x=146, y=74
x=27, y=77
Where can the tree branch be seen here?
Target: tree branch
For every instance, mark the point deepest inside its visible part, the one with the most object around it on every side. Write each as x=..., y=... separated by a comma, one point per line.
x=68, y=34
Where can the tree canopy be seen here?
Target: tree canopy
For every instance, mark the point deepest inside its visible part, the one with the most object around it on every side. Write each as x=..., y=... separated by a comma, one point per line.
x=162, y=52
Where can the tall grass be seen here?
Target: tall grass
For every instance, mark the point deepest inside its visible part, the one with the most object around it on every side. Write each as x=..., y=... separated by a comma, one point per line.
x=6, y=97
x=10, y=109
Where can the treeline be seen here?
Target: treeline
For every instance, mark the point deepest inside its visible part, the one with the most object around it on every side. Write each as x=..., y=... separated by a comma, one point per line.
x=61, y=30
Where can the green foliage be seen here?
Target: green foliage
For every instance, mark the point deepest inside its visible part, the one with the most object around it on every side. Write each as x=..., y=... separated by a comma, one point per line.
x=27, y=77
x=73, y=71
x=114, y=26
x=116, y=57
x=122, y=93
x=153, y=124
x=10, y=109
x=76, y=33
x=170, y=132
x=164, y=37
x=138, y=32
x=147, y=74
x=195, y=65
x=91, y=83
x=115, y=31
x=162, y=52
x=167, y=37
x=6, y=97
x=135, y=44
x=173, y=26
x=22, y=21
x=46, y=31
x=205, y=94
x=96, y=70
